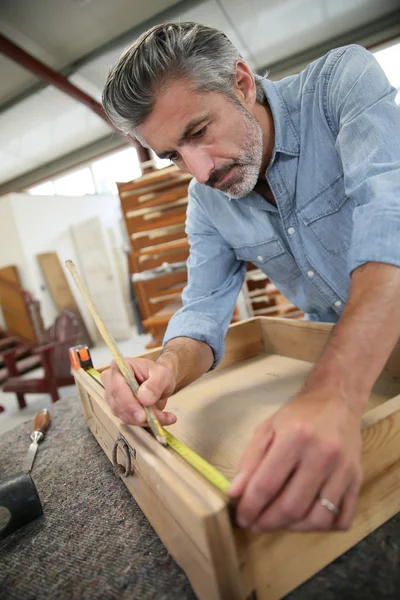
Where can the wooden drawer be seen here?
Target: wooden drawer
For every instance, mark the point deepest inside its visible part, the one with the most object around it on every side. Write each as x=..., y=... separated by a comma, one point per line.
x=266, y=361
x=146, y=241
x=164, y=216
x=144, y=262
x=154, y=196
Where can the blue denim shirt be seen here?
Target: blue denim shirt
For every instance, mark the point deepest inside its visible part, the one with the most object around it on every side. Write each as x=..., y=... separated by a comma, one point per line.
x=335, y=176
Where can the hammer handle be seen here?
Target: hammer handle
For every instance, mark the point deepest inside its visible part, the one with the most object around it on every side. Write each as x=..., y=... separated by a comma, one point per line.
x=42, y=421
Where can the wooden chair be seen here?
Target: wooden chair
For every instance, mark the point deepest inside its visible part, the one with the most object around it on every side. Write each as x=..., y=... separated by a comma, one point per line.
x=54, y=360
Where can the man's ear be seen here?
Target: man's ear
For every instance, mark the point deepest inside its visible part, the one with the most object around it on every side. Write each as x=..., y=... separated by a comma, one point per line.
x=245, y=87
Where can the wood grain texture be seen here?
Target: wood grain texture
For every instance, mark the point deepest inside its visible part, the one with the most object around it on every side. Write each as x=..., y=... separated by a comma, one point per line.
x=189, y=515
x=266, y=361
x=59, y=288
x=15, y=305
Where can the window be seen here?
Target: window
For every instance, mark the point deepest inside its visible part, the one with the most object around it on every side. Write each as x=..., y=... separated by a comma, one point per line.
x=389, y=59
x=120, y=166
x=77, y=183
x=43, y=189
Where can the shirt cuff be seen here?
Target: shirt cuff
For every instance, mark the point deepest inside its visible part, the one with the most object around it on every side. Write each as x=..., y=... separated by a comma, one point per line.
x=375, y=236
x=198, y=326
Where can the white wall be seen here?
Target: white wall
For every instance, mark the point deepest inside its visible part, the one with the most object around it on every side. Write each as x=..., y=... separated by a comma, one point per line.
x=43, y=224
x=11, y=251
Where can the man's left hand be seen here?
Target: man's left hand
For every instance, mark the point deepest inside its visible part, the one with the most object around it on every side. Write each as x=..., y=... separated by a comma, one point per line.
x=308, y=451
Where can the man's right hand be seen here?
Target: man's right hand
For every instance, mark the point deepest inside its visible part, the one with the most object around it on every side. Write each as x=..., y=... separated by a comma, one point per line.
x=156, y=383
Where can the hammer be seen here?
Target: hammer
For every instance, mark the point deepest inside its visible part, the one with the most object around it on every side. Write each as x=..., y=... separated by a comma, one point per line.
x=19, y=499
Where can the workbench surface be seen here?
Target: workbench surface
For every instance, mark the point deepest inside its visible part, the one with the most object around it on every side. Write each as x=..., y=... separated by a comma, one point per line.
x=94, y=541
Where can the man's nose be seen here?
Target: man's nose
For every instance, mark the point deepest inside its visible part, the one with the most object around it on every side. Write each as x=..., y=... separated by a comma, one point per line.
x=199, y=164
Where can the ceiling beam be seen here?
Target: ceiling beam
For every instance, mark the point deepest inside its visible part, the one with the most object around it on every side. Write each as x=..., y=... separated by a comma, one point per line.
x=32, y=64
x=124, y=39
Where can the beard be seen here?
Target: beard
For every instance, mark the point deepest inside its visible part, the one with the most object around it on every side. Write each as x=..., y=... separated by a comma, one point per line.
x=246, y=167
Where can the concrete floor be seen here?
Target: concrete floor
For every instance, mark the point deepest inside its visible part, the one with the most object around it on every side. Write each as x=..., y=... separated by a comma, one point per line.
x=13, y=416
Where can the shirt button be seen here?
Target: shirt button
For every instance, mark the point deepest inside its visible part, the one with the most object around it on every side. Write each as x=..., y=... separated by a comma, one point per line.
x=291, y=230
x=259, y=257
x=310, y=274
x=338, y=303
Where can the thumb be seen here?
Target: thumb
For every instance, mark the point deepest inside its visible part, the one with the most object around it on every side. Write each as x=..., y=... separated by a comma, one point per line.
x=152, y=389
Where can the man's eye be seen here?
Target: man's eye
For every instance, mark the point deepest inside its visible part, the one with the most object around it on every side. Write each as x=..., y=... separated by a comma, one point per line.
x=200, y=132
x=174, y=156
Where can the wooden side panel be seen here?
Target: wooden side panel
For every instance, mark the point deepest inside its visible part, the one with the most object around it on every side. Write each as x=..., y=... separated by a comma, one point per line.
x=275, y=564
x=306, y=340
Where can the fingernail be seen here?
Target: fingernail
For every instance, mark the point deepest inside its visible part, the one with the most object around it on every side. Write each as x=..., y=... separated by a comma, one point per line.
x=236, y=483
x=140, y=417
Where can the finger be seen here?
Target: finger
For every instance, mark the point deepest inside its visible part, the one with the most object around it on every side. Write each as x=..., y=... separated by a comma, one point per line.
x=165, y=418
x=320, y=518
x=298, y=496
x=267, y=480
x=161, y=404
x=151, y=390
x=125, y=406
x=348, y=507
x=257, y=448
x=105, y=376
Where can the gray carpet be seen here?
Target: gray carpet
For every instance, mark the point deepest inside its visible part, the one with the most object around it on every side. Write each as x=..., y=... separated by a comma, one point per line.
x=94, y=542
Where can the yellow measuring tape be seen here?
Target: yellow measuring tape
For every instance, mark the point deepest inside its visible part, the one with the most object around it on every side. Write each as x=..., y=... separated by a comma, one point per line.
x=202, y=466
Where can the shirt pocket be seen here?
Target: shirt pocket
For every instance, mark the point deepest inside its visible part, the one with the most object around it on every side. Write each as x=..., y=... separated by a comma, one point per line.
x=272, y=258
x=329, y=215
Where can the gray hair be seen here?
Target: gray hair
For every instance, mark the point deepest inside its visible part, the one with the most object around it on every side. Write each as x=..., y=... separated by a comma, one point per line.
x=202, y=55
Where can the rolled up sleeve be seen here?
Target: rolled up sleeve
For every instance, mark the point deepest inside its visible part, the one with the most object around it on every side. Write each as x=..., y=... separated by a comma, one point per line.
x=363, y=115
x=215, y=277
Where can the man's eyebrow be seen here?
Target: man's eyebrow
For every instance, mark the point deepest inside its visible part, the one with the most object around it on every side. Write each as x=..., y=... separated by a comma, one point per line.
x=188, y=128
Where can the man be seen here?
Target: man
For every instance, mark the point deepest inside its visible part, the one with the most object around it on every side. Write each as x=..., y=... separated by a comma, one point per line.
x=301, y=177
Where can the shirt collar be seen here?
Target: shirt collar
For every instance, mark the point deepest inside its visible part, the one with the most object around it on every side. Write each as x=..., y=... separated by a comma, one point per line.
x=286, y=138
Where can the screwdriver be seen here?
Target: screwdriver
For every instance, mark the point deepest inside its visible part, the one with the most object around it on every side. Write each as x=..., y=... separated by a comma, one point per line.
x=40, y=426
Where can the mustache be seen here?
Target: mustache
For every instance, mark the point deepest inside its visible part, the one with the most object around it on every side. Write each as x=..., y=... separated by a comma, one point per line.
x=218, y=174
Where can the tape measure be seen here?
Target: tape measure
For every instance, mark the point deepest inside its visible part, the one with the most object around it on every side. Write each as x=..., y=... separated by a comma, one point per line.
x=80, y=358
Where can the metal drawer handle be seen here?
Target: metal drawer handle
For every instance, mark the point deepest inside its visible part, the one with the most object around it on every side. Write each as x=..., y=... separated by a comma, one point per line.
x=121, y=470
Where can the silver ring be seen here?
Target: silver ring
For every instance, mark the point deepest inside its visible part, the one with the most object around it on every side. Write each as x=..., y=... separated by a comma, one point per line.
x=329, y=505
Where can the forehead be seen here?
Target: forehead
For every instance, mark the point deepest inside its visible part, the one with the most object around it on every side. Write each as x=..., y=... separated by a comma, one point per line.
x=176, y=106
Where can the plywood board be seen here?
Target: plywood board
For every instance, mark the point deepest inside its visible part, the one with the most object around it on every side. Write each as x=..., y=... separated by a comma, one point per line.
x=15, y=306
x=59, y=288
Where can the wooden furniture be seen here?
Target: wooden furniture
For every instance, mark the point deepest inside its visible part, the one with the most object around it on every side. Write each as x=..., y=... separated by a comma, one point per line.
x=52, y=357
x=154, y=209
x=25, y=327
x=266, y=361
x=264, y=299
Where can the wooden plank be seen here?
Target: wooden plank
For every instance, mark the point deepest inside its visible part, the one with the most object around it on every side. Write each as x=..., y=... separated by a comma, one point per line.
x=59, y=289
x=14, y=303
